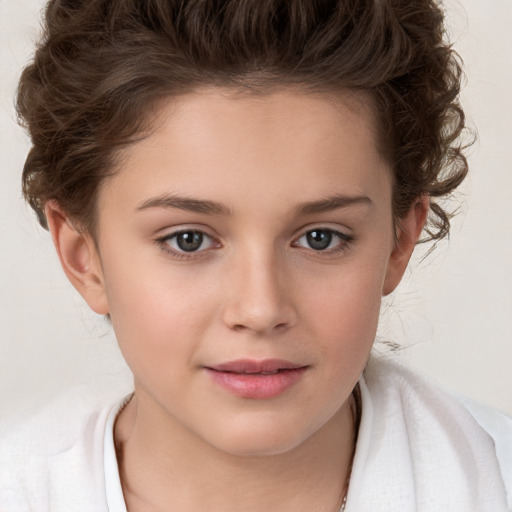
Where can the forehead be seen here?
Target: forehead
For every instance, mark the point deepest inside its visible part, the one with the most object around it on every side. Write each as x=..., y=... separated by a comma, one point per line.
x=224, y=145
x=245, y=116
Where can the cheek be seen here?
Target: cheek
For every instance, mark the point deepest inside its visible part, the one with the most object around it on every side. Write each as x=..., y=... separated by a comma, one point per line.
x=157, y=314
x=348, y=292
x=344, y=310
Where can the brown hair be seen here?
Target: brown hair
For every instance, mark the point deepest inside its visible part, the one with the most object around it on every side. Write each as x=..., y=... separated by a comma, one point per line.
x=103, y=64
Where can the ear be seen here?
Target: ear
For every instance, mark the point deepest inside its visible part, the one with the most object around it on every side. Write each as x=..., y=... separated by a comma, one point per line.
x=407, y=234
x=79, y=258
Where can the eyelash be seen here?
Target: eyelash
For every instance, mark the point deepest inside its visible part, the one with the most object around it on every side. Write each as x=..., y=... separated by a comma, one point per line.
x=343, y=244
x=164, y=242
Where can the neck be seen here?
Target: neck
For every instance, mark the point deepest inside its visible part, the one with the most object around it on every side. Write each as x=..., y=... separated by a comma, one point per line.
x=161, y=465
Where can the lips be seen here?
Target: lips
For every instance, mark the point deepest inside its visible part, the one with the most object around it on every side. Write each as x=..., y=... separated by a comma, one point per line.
x=256, y=379
x=247, y=366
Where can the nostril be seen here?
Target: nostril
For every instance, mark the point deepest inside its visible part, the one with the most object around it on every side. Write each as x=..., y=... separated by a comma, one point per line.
x=257, y=309
x=241, y=327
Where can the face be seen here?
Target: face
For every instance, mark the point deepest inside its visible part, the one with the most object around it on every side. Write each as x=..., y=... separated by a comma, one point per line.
x=243, y=250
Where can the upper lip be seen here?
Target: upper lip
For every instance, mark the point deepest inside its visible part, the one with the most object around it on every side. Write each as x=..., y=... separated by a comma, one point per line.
x=252, y=366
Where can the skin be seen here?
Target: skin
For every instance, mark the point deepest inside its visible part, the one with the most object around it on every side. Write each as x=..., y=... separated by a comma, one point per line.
x=256, y=289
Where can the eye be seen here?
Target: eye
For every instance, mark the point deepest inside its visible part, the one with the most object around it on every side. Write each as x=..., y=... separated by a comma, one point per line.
x=323, y=239
x=187, y=241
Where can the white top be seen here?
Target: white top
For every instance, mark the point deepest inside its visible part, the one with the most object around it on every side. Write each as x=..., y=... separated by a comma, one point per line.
x=419, y=449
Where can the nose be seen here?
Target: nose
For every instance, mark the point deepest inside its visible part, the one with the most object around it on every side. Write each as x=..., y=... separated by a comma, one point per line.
x=260, y=298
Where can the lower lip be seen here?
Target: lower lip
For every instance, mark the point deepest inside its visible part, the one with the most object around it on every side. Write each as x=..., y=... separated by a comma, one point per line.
x=256, y=385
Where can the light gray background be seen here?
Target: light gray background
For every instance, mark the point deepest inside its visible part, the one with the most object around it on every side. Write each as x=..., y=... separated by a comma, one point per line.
x=453, y=310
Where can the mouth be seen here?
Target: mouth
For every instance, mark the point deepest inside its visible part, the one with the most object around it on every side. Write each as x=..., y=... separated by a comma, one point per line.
x=257, y=379
x=248, y=366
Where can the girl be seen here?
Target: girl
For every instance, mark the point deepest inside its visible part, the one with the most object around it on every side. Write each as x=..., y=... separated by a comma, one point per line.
x=236, y=185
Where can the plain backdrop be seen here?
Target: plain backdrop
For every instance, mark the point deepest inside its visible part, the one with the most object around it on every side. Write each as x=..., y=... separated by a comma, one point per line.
x=452, y=313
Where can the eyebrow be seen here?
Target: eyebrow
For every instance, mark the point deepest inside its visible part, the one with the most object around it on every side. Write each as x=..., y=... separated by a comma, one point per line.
x=214, y=208
x=332, y=203
x=185, y=203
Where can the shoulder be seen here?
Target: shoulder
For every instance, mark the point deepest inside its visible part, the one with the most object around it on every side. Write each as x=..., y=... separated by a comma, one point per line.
x=430, y=446
x=389, y=380
x=499, y=427
x=54, y=460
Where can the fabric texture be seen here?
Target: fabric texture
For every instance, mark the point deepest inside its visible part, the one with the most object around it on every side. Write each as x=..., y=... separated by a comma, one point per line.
x=419, y=449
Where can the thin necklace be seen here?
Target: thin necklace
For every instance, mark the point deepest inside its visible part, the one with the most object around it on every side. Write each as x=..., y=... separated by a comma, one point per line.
x=356, y=414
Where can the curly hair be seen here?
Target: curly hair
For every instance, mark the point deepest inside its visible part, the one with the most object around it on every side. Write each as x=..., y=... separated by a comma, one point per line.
x=103, y=65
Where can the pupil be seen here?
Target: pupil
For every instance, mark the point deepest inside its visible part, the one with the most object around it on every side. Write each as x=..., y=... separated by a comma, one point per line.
x=190, y=241
x=319, y=240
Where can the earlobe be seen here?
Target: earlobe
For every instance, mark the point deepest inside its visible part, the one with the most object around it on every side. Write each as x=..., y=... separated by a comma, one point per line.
x=79, y=258
x=408, y=234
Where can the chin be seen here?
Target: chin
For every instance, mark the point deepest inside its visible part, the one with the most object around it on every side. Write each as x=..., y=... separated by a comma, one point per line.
x=260, y=438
